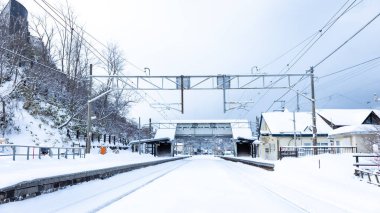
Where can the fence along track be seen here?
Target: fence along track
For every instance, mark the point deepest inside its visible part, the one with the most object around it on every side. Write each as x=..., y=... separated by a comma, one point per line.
x=40, y=150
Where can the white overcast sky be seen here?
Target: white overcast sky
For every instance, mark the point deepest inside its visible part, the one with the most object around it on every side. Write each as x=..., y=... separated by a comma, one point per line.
x=185, y=37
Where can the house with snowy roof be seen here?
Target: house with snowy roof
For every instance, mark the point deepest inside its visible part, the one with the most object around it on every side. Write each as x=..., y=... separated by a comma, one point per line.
x=336, y=127
x=286, y=128
x=362, y=136
x=337, y=118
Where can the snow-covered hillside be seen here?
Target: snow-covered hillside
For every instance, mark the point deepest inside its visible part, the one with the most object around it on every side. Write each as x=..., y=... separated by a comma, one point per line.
x=34, y=130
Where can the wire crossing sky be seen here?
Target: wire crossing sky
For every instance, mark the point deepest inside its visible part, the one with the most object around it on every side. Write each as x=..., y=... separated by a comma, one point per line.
x=178, y=37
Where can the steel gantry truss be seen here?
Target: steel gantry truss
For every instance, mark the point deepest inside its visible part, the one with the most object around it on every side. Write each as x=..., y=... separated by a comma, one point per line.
x=207, y=82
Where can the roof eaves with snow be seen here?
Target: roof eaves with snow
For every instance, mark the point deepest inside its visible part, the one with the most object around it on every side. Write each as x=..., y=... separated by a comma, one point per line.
x=345, y=117
x=355, y=130
x=281, y=123
x=152, y=140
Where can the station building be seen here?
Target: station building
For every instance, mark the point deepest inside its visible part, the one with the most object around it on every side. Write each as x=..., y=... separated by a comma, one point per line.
x=217, y=137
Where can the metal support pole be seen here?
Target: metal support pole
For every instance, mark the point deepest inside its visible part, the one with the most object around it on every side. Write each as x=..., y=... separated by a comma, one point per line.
x=139, y=136
x=27, y=153
x=14, y=152
x=224, y=94
x=150, y=127
x=88, y=141
x=294, y=128
x=314, y=118
x=182, y=108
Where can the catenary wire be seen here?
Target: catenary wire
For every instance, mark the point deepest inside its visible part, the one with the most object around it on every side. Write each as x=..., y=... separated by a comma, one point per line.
x=98, y=56
x=328, y=24
x=60, y=14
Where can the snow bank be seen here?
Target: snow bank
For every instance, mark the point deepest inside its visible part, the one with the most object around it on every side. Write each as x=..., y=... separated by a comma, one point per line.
x=30, y=130
x=333, y=182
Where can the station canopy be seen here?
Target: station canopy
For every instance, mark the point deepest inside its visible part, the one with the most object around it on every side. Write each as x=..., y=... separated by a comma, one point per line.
x=204, y=128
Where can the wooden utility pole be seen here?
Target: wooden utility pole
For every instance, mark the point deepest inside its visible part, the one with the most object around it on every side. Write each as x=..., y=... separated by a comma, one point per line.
x=314, y=118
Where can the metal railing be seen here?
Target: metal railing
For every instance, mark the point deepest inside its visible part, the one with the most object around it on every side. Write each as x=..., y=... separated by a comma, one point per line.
x=372, y=177
x=300, y=151
x=371, y=167
x=39, y=151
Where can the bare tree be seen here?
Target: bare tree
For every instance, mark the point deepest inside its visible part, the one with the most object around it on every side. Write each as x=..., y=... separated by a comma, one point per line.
x=371, y=138
x=45, y=32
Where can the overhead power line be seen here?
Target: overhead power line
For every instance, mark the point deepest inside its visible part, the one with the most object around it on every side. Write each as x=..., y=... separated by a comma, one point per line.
x=345, y=42
x=34, y=61
x=309, y=45
x=348, y=68
x=91, y=48
x=361, y=71
x=60, y=14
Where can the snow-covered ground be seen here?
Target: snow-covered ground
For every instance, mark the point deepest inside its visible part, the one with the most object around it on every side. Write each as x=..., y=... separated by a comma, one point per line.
x=33, y=129
x=210, y=184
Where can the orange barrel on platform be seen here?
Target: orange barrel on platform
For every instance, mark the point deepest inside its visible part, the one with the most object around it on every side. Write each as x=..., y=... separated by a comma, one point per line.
x=103, y=150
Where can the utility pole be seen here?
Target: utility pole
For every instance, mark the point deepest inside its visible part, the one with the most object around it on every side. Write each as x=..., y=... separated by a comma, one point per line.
x=298, y=102
x=88, y=141
x=294, y=129
x=314, y=118
x=139, y=135
x=182, y=108
x=224, y=94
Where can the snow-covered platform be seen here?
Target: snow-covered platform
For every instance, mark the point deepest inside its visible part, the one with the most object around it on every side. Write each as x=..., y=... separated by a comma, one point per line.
x=25, y=179
x=251, y=161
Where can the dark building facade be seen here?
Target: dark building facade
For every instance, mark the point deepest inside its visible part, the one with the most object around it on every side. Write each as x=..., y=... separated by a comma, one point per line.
x=15, y=18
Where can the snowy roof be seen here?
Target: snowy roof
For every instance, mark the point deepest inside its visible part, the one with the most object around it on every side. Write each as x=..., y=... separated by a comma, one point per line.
x=241, y=132
x=165, y=133
x=240, y=128
x=377, y=112
x=246, y=140
x=282, y=123
x=355, y=129
x=346, y=117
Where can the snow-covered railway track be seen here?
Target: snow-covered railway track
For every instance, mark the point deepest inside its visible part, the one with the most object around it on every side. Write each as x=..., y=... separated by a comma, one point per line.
x=241, y=175
x=197, y=184
x=205, y=184
x=153, y=178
